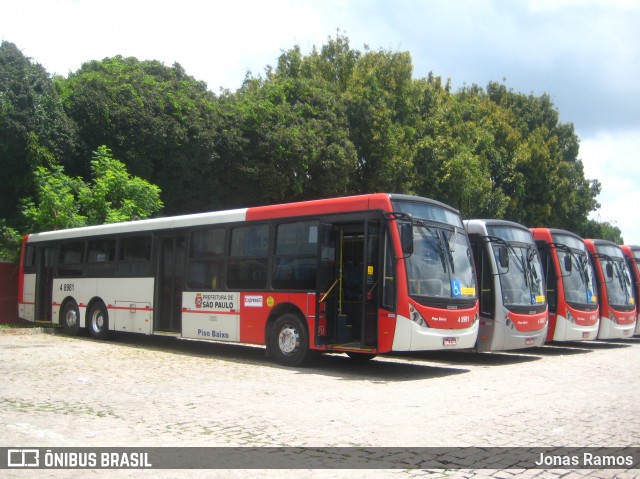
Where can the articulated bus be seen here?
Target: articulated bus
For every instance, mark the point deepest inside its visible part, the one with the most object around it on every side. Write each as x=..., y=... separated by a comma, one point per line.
x=571, y=285
x=632, y=253
x=617, y=303
x=513, y=307
x=363, y=275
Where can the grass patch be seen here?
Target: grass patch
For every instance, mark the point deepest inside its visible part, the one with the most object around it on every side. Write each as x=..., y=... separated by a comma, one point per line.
x=17, y=325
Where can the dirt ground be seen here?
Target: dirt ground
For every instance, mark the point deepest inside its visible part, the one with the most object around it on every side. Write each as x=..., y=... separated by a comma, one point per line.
x=59, y=391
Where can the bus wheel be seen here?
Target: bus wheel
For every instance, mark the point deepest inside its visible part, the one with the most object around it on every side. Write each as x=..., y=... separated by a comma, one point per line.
x=70, y=318
x=98, y=320
x=289, y=342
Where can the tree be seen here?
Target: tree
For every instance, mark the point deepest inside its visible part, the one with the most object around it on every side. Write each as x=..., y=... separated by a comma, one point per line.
x=112, y=196
x=295, y=142
x=602, y=230
x=32, y=124
x=161, y=123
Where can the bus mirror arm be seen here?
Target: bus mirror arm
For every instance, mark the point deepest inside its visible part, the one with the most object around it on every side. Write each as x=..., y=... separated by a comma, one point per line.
x=405, y=228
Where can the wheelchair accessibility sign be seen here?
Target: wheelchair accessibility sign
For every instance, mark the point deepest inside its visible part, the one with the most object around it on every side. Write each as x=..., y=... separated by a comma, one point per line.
x=456, y=290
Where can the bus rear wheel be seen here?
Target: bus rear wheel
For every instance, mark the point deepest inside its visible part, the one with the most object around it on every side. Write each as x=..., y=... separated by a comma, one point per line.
x=70, y=318
x=289, y=341
x=98, y=321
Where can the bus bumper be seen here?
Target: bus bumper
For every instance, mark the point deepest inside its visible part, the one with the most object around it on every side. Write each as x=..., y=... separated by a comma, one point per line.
x=570, y=331
x=612, y=330
x=506, y=339
x=409, y=336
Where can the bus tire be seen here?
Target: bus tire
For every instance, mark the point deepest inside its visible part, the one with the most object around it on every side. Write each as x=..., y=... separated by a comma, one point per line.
x=289, y=341
x=98, y=320
x=70, y=318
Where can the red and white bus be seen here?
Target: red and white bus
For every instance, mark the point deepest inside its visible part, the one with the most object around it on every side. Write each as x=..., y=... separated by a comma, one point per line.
x=571, y=286
x=513, y=307
x=632, y=253
x=363, y=275
x=617, y=302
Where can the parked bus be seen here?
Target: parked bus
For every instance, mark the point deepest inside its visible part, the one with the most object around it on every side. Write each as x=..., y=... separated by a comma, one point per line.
x=512, y=303
x=571, y=287
x=363, y=275
x=632, y=253
x=617, y=303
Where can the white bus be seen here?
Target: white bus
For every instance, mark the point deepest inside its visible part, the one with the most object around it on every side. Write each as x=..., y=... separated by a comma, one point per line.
x=363, y=275
x=513, y=306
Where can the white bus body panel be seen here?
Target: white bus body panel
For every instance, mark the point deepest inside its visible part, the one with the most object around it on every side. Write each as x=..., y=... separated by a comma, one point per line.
x=129, y=301
x=27, y=304
x=569, y=331
x=501, y=337
x=638, y=323
x=211, y=316
x=410, y=336
x=611, y=330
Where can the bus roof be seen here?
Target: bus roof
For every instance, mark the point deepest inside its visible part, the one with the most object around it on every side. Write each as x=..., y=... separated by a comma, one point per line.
x=380, y=201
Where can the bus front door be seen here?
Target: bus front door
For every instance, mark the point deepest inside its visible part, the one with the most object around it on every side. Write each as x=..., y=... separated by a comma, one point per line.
x=347, y=297
x=169, y=284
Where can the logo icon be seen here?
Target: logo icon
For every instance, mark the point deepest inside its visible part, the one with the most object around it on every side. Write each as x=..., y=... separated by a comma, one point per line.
x=198, y=300
x=23, y=458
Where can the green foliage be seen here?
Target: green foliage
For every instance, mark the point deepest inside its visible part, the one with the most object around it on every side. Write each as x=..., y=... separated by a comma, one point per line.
x=113, y=196
x=10, y=241
x=602, y=230
x=161, y=123
x=333, y=122
x=31, y=117
x=56, y=205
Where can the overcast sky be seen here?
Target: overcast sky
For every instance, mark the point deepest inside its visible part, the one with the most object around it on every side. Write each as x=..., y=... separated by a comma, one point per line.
x=584, y=54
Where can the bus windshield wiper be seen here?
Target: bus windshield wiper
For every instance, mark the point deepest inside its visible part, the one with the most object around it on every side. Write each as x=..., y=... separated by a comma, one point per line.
x=623, y=279
x=450, y=247
x=439, y=242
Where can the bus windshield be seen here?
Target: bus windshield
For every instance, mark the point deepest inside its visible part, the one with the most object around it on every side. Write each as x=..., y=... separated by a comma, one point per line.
x=440, y=266
x=520, y=278
x=579, y=279
x=618, y=284
x=619, y=288
x=522, y=281
x=636, y=260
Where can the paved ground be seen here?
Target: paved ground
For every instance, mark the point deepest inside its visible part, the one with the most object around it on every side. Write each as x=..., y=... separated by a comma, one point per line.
x=138, y=391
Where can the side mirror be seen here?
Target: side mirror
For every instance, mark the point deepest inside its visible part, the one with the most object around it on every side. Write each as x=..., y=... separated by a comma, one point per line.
x=406, y=237
x=609, y=270
x=568, y=265
x=503, y=257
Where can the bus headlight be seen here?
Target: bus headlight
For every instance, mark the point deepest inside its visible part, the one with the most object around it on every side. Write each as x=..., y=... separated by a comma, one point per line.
x=569, y=316
x=612, y=318
x=416, y=317
x=508, y=321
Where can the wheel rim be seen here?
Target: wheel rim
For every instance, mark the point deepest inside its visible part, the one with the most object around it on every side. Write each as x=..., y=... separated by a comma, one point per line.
x=289, y=340
x=97, y=321
x=71, y=318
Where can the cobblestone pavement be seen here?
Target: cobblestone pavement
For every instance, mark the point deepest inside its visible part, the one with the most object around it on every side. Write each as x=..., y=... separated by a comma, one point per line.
x=58, y=391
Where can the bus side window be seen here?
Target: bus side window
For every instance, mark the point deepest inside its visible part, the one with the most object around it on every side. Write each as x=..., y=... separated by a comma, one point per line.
x=295, y=256
x=134, y=256
x=30, y=259
x=206, y=259
x=70, y=259
x=101, y=257
x=247, y=265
